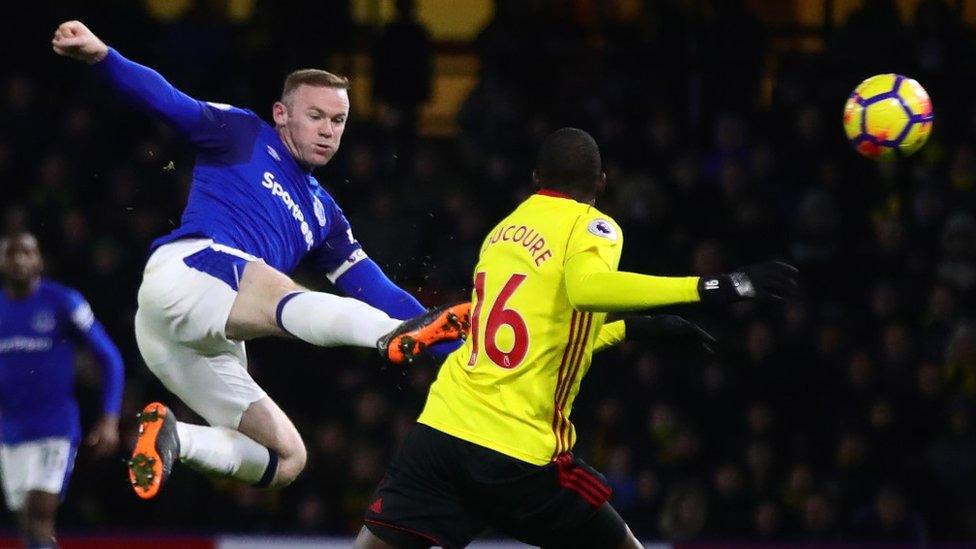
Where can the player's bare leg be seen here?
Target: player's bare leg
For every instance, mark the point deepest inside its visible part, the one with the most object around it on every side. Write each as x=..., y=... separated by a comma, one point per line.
x=267, y=424
x=37, y=518
x=259, y=291
x=319, y=318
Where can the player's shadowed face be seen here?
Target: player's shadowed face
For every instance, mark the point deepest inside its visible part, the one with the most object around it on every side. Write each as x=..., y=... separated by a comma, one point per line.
x=21, y=259
x=311, y=122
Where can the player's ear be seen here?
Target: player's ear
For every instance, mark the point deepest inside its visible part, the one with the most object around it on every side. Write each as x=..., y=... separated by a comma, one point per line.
x=536, y=184
x=279, y=112
x=601, y=185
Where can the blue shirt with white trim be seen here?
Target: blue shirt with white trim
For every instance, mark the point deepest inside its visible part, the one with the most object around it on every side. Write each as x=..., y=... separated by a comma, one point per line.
x=38, y=338
x=248, y=192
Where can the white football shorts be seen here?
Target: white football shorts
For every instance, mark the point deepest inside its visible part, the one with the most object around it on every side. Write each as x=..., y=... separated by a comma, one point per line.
x=187, y=291
x=42, y=465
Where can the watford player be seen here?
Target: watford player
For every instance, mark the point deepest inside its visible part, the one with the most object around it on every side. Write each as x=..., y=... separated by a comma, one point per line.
x=492, y=445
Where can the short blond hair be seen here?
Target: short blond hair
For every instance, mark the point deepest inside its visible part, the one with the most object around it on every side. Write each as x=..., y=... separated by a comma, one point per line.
x=313, y=77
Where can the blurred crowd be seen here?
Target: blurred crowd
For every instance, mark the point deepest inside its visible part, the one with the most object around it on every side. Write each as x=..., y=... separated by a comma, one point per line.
x=844, y=415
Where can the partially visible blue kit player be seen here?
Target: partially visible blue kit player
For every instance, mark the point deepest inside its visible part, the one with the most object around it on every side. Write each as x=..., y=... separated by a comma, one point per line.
x=41, y=323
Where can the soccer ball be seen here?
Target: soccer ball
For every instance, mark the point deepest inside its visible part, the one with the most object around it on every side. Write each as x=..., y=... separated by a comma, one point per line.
x=888, y=116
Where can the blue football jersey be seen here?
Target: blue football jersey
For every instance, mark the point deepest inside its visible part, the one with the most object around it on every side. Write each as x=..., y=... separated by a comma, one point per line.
x=247, y=192
x=38, y=335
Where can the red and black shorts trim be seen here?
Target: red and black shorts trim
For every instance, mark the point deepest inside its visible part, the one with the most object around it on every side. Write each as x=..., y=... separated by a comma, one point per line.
x=441, y=490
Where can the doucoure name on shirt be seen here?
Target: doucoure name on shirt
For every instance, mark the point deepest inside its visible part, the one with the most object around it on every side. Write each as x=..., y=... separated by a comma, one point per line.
x=530, y=239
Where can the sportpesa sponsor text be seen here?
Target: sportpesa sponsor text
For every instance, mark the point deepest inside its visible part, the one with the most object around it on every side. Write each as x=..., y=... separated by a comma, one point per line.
x=296, y=211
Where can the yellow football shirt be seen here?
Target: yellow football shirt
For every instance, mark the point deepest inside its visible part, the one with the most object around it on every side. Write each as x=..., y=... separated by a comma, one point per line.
x=511, y=386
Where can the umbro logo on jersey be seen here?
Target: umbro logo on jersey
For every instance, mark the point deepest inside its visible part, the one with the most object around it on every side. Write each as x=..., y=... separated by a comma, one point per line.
x=603, y=229
x=273, y=153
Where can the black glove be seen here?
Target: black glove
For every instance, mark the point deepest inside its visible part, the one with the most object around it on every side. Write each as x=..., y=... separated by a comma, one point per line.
x=770, y=281
x=666, y=328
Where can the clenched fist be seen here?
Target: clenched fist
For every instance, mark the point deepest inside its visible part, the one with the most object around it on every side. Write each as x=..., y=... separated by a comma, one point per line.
x=73, y=39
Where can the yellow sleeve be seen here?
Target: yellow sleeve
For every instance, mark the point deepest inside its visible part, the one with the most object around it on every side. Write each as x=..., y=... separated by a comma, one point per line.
x=599, y=234
x=593, y=287
x=610, y=334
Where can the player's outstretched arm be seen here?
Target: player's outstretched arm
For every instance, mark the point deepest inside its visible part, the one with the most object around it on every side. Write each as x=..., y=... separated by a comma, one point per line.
x=142, y=86
x=592, y=286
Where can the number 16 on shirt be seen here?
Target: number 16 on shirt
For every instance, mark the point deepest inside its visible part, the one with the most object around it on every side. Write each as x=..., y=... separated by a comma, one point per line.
x=498, y=316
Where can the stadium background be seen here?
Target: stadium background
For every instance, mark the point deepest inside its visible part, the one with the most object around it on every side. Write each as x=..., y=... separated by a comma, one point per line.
x=844, y=415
